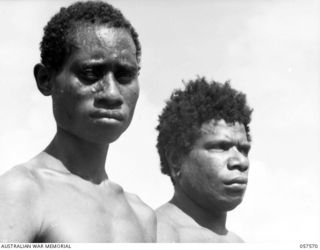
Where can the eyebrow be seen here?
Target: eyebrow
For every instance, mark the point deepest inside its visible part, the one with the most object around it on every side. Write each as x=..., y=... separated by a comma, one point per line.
x=228, y=142
x=125, y=64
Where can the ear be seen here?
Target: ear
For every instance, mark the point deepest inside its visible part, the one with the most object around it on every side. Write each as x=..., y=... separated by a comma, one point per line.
x=174, y=161
x=43, y=76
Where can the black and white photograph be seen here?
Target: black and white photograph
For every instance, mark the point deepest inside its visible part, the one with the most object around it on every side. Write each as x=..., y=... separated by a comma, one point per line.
x=157, y=121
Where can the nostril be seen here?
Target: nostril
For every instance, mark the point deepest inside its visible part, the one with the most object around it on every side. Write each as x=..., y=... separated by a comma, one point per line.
x=109, y=103
x=238, y=164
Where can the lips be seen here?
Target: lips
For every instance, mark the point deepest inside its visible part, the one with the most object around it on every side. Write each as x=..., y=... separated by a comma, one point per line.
x=236, y=180
x=110, y=114
x=236, y=186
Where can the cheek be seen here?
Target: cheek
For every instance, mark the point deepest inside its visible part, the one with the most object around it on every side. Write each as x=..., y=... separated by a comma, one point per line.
x=130, y=96
x=207, y=168
x=63, y=108
x=68, y=102
x=199, y=178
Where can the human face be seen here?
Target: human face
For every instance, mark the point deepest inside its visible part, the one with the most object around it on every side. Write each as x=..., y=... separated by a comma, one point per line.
x=214, y=174
x=95, y=93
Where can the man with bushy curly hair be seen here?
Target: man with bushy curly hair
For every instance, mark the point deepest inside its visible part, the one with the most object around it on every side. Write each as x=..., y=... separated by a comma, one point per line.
x=203, y=144
x=90, y=56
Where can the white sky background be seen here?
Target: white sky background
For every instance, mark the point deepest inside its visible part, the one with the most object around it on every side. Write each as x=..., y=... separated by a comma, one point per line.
x=268, y=49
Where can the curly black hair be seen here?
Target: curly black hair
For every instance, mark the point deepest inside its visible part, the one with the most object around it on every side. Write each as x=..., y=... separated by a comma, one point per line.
x=56, y=45
x=186, y=110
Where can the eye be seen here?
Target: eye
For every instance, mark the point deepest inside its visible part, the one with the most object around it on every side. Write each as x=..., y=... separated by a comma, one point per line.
x=244, y=150
x=219, y=147
x=91, y=74
x=125, y=75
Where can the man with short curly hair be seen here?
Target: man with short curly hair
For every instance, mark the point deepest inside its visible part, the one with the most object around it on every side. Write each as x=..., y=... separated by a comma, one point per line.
x=90, y=57
x=203, y=144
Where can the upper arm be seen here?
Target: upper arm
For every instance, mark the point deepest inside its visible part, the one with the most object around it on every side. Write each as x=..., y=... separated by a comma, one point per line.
x=19, y=214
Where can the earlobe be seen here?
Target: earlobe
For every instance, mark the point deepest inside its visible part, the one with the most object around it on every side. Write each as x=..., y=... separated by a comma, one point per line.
x=42, y=76
x=174, y=162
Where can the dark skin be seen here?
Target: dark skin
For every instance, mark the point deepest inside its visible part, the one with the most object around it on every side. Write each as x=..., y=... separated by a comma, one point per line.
x=64, y=194
x=210, y=181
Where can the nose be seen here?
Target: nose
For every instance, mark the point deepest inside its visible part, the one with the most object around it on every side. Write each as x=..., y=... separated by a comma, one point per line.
x=238, y=161
x=109, y=96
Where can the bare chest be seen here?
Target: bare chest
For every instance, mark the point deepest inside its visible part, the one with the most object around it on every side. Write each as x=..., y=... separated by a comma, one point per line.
x=74, y=216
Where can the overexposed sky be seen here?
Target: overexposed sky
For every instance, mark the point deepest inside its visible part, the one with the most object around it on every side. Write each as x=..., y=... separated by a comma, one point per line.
x=268, y=49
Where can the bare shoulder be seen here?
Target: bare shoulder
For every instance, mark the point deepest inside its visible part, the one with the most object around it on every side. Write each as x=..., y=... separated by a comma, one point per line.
x=167, y=228
x=19, y=181
x=164, y=211
x=234, y=238
x=145, y=214
x=135, y=201
x=20, y=189
x=25, y=179
x=170, y=214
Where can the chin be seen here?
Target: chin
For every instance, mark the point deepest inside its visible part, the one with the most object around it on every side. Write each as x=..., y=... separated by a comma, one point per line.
x=105, y=138
x=223, y=205
x=107, y=134
x=99, y=135
x=232, y=204
x=229, y=207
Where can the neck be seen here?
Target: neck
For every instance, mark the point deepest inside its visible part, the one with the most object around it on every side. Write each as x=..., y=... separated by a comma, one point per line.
x=212, y=219
x=82, y=158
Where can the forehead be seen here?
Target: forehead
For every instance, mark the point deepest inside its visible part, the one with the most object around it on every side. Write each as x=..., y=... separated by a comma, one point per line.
x=91, y=39
x=221, y=130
